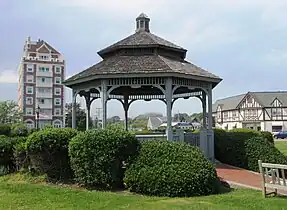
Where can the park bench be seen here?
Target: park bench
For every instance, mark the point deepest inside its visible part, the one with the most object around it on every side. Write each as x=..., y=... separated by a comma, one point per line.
x=273, y=177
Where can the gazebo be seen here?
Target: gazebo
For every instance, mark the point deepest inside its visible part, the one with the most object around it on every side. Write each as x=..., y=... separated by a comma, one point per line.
x=146, y=67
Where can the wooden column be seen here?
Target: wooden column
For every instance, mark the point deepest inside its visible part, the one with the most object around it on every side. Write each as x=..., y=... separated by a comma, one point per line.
x=104, y=99
x=74, y=104
x=168, y=96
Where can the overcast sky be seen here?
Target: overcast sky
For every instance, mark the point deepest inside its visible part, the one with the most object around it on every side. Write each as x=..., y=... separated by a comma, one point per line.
x=244, y=42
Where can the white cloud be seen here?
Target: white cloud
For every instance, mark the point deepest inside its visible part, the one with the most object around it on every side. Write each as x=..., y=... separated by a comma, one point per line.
x=8, y=76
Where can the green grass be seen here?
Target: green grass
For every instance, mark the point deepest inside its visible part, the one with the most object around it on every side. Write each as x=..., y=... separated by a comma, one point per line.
x=18, y=193
x=282, y=146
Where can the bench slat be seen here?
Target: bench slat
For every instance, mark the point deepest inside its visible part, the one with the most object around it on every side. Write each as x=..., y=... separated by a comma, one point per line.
x=275, y=186
x=274, y=166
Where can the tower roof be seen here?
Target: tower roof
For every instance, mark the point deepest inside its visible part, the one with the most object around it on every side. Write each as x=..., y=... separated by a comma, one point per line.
x=142, y=38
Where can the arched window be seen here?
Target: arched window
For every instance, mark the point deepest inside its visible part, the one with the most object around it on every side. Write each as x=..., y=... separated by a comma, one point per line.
x=29, y=124
x=57, y=124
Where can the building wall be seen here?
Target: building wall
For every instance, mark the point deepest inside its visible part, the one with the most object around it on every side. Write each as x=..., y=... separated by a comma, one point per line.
x=43, y=87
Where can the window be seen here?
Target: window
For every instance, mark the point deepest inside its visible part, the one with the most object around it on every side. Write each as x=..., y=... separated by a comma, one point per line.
x=58, y=70
x=30, y=124
x=57, y=91
x=30, y=68
x=57, y=112
x=43, y=57
x=43, y=69
x=41, y=101
x=225, y=115
x=29, y=100
x=30, y=79
x=29, y=90
x=58, y=80
x=29, y=111
x=57, y=124
x=276, y=128
x=57, y=101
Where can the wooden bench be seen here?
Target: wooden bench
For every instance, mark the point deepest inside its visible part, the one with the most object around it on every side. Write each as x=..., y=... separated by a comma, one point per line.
x=271, y=177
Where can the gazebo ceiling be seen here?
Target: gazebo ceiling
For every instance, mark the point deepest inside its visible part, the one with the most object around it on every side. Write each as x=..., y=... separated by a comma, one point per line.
x=142, y=54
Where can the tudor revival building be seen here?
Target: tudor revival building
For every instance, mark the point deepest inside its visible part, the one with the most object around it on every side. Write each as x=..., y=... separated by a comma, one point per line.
x=41, y=72
x=255, y=110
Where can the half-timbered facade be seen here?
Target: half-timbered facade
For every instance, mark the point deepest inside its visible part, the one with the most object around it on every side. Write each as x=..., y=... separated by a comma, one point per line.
x=255, y=110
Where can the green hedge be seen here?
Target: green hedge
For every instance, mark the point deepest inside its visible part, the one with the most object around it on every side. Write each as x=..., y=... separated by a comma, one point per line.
x=267, y=135
x=5, y=129
x=6, y=154
x=243, y=148
x=166, y=168
x=97, y=157
x=19, y=130
x=47, y=150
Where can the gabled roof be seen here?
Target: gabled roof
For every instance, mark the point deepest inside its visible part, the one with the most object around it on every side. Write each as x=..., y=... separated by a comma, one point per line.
x=37, y=45
x=264, y=98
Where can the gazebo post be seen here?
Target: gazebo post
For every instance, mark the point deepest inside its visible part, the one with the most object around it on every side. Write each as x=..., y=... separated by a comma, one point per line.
x=210, y=135
x=168, y=96
x=104, y=98
x=204, y=109
x=74, y=104
x=126, y=109
x=88, y=110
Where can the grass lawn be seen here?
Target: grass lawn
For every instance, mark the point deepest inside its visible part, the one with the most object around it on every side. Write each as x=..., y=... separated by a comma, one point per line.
x=282, y=146
x=18, y=194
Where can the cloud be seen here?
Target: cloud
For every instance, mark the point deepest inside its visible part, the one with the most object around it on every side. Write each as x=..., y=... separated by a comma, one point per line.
x=8, y=76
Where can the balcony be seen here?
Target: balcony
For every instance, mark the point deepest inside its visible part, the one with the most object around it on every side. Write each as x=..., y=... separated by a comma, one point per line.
x=45, y=85
x=45, y=106
x=44, y=95
x=44, y=74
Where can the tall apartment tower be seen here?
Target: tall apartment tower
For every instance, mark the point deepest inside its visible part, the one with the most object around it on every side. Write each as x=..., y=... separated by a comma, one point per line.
x=40, y=91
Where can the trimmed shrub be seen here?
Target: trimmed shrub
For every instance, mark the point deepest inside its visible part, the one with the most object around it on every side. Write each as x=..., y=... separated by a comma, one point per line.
x=20, y=155
x=5, y=129
x=97, y=157
x=6, y=153
x=19, y=130
x=268, y=135
x=245, y=149
x=258, y=148
x=47, y=150
x=165, y=168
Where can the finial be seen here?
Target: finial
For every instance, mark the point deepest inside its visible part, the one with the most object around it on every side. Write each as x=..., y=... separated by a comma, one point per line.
x=142, y=23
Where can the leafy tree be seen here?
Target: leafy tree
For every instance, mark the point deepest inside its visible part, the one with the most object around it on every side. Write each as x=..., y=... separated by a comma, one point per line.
x=114, y=119
x=80, y=117
x=10, y=112
x=197, y=115
x=181, y=117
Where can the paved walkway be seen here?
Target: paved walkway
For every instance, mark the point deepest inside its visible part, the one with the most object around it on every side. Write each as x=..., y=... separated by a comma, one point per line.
x=240, y=177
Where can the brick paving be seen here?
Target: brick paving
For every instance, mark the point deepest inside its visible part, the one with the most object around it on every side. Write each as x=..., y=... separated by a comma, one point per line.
x=240, y=177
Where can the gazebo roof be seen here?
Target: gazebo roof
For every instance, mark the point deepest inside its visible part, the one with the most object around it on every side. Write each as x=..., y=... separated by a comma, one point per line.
x=122, y=60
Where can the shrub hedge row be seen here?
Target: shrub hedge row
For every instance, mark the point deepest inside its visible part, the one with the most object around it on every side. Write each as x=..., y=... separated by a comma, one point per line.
x=243, y=148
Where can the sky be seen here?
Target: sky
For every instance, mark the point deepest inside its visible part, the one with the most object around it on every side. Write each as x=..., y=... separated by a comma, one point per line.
x=243, y=42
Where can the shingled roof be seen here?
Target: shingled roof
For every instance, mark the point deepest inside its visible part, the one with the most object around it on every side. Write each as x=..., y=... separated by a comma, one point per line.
x=166, y=58
x=263, y=98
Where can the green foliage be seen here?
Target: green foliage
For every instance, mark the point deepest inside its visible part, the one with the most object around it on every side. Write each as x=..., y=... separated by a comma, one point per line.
x=19, y=130
x=47, y=150
x=6, y=153
x=5, y=129
x=243, y=148
x=267, y=135
x=97, y=156
x=20, y=155
x=9, y=112
x=165, y=168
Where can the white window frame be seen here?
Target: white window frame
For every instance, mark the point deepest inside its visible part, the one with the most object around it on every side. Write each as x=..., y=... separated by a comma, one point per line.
x=32, y=101
x=60, y=79
x=57, y=112
x=57, y=124
x=30, y=68
x=55, y=102
x=29, y=123
x=30, y=79
x=30, y=113
x=55, y=91
x=58, y=70
x=27, y=88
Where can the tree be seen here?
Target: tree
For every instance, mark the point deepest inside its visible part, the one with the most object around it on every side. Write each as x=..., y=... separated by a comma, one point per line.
x=80, y=117
x=180, y=117
x=10, y=112
x=197, y=115
x=114, y=119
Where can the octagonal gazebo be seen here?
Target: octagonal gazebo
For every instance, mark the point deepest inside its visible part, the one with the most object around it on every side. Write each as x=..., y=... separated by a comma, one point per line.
x=144, y=66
